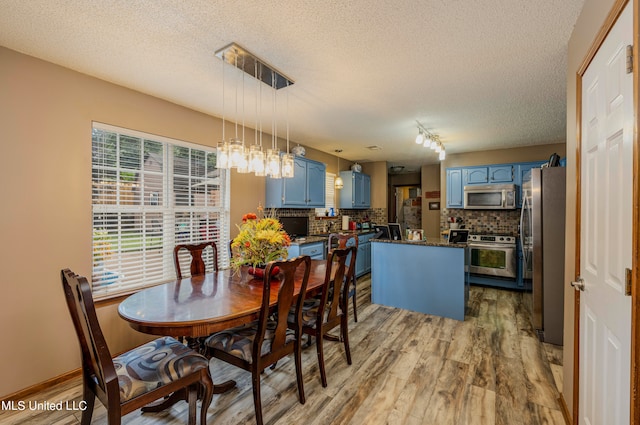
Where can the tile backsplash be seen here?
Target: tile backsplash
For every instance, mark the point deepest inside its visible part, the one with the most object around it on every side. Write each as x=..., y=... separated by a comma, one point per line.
x=503, y=222
x=317, y=225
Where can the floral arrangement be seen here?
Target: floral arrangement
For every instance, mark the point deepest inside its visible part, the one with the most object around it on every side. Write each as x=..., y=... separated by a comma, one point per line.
x=260, y=241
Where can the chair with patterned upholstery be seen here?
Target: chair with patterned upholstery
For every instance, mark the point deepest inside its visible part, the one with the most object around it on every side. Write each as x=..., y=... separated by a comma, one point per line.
x=342, y=240
x=132, y=380
x=324, y=313
x=197, y=265
x=255, y=346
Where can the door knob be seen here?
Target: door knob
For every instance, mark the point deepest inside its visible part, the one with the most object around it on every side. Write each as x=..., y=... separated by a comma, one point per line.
x=578, y=285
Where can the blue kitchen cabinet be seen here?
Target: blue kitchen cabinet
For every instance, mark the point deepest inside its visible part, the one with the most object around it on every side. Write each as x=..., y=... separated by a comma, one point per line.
x=458, y=177
x=305, y=190
x=315, y=250
x=454, y=188
x=502, y=173
x=524, y=175
x=363, y=258
x=356, y=192
x=476, y=175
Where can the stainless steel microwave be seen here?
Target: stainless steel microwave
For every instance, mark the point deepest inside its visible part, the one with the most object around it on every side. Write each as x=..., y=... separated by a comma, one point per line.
x=490, y=197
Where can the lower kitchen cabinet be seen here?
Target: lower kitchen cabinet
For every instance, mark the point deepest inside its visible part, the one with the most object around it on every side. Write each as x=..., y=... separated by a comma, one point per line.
x=363, y=259
x=315, y=250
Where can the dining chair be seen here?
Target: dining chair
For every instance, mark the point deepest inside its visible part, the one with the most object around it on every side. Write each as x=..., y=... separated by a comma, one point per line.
x=255, y=346
x=156, y=370
x=341, y=240
x=197, y=265
x=324, y=313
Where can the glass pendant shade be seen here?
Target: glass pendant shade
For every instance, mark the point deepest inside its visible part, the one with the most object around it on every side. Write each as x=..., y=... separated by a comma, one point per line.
x=222, y=159
x=438, y=149
x=442, y=155
x=287, y=165
x=243, y=163
x=434, y=144
x=420, y=139
x=236, y=153
x=339, y=184
x=256, y=161
x=273, y=163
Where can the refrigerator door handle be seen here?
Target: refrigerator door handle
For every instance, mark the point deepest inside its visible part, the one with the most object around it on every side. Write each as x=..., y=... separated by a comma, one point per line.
x=524, y=205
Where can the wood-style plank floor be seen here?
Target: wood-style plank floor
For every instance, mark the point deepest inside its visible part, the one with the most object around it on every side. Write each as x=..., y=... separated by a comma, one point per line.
x=408, y=368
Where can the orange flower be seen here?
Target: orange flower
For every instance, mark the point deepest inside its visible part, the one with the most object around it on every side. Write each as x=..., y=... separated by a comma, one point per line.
x=249, y=216
x=247, y=244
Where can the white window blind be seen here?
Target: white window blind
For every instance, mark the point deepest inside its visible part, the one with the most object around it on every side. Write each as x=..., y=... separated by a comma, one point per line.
x=329, y=194
x=149, y=194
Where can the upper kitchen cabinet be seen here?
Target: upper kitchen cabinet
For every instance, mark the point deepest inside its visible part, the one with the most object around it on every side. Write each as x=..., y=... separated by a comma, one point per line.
x=524, y=175
x=459, y=177
x=356, y=192
x=454, y=188
x=489, y=174
x=305, y=190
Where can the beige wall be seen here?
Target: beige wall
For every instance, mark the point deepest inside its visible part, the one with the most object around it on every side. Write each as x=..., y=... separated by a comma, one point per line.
x=589, y=22
x=378, y=173
x=430, y=183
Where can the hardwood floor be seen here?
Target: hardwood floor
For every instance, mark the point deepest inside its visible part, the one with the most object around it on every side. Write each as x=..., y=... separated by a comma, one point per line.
x=408, y=368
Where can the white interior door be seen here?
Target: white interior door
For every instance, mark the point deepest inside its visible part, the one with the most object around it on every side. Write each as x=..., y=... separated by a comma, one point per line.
x=605, y=232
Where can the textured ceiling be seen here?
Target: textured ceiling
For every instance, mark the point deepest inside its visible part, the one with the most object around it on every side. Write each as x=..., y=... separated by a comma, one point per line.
x=483, y=74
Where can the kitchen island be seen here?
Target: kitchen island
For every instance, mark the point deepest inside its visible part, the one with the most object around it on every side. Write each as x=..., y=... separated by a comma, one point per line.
x=425, y=276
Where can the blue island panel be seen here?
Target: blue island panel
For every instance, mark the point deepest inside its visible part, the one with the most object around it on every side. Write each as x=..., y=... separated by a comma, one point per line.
x=422, y=278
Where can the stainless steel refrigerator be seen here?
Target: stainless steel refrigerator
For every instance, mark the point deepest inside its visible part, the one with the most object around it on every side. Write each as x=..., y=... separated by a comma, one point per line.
x=542, y=224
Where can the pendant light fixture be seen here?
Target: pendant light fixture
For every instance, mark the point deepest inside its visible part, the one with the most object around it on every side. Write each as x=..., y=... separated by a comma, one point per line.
x=232, y=153
x=287, y=158
x=273, y=154
x=256, y=155
x=222, y=158
x=338, y=183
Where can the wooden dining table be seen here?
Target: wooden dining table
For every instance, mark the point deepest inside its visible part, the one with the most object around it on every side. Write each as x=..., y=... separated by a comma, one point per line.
x=198, y=306
x=201, y=305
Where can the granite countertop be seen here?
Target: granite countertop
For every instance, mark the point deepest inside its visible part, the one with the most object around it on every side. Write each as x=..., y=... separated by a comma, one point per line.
x=309, y=239
x=428, y=242
x=323, y=237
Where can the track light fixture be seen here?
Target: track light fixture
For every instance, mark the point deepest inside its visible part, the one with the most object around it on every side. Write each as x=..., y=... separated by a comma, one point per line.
x=430, y=140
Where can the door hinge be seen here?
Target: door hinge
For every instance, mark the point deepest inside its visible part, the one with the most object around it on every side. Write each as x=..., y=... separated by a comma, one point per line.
x=630, y=59
x=627, y=282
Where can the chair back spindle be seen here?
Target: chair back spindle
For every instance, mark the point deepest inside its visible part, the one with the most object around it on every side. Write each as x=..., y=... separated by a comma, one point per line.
x=197, y=266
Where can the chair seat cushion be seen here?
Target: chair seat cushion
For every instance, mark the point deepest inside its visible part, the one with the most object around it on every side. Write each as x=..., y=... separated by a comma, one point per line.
x=310, y=312
x=155, y=364
x=238, y=341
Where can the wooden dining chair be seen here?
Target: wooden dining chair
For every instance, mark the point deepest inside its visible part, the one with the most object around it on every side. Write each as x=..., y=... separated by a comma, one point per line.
x=134, y=379
x=341, y=240
x=324, y=313
x=197, y=265
x=257, y=345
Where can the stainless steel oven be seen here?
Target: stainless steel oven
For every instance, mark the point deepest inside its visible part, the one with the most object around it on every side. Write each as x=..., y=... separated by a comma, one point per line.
x=493, y=255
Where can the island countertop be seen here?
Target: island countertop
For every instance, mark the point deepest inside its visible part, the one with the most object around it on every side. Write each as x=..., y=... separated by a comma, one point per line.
x=430, y=241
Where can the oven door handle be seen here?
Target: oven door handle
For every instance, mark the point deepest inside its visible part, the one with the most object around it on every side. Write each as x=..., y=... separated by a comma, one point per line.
x=492, y=246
